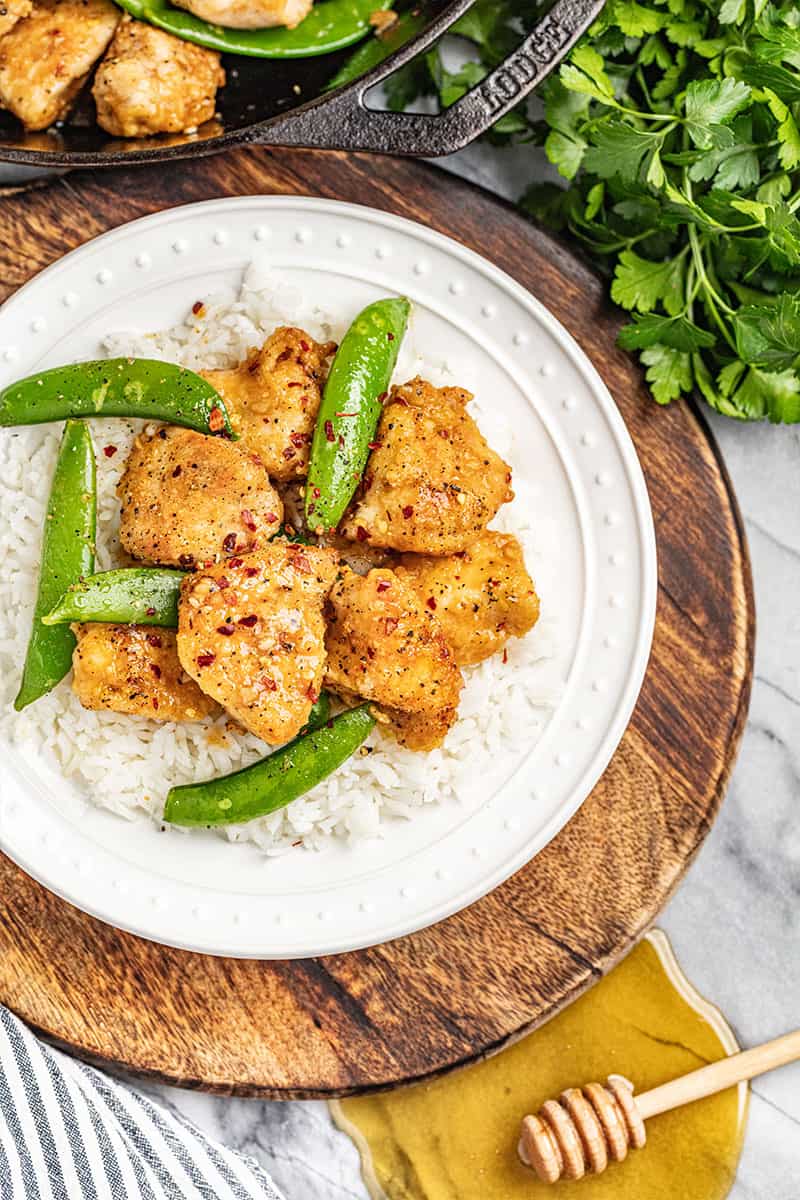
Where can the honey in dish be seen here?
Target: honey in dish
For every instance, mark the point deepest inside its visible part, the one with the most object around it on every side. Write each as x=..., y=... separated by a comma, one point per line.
x=456, y=1139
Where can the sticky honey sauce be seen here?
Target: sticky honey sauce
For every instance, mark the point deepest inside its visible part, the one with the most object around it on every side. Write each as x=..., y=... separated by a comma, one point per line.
x=456, y=1139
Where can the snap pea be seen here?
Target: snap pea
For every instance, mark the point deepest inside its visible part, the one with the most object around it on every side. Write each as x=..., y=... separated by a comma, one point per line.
x=331, y=25
x=116, y=387
x=351, y=407
x=378, y=48
x=275, y=781
x=67, y=554
x=132, y=596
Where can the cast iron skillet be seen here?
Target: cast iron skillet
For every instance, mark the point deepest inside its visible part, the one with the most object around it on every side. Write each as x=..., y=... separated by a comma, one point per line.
x=266, y=102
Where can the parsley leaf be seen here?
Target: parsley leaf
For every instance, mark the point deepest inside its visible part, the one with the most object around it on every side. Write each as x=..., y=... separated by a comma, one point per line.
x=669, y=372
x=642, y=284
x=678, y=332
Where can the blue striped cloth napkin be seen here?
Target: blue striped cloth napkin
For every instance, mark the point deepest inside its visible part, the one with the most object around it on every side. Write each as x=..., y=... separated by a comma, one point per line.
x=68, y=1132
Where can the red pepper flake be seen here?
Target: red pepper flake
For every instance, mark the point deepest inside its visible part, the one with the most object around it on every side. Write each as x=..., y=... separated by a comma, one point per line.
x=155, y=702
x=186, y=560
x=408, y=511
x=271, y=518
x=459, y=554
x=390, y=337
x=329, y=434
x=341, y=440
x=390, y=624
x=109, y=451
x=216, y=421
x=235, y=562
x=249, y=621
x=508, y=477
x=205, y=660
x=198, y=307
x=289, y=453
x=443, y=433
x=505, y=656
x=383, y=585
x=269, y=684
x=299, y=440
x=251, y=572
x=304, y=345
x=226, y=630
x=344, y=414
x=176, y=472
x=361, y=533
x=370, y=652
x=150, y=612
x=229, y=542
x=383, y=396
x=156, y=669
x=295, y=383
x=154, y=639
x=248, y=521
x=301, y=564
x=312, y=693
x=374, y=445
x=316, y=493
x=401, y=400
x=312, y=508
x=431, y=603
x=223, y=582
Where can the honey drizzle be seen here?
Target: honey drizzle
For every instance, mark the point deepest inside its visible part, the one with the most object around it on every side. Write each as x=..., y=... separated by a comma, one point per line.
x=455, y=1139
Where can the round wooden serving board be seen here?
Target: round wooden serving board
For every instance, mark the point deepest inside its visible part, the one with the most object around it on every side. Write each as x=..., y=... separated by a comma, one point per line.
x=462, y=989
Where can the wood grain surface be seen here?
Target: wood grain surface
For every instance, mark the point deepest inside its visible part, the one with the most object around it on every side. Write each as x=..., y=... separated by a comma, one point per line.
x=464, y=988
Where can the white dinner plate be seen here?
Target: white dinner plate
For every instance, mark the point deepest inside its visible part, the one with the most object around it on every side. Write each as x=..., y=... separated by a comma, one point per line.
x=202, y=893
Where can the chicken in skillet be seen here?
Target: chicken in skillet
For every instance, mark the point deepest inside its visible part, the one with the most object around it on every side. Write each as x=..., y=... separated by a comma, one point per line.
x=48, y=55
x=12, y=11
x=249, y=14
x=151, y=82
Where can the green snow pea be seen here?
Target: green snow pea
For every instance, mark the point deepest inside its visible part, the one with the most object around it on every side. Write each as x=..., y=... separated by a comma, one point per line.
x=131, y=596
x=67, y=554
x=275, y=781
x=373, y=52
x=331, y=25
x=351, y=407
x=116, y=387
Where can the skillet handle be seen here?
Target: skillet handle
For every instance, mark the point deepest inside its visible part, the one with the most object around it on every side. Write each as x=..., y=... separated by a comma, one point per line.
x=342, y=120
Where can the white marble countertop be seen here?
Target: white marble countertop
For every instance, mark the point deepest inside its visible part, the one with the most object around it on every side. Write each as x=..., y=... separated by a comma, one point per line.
x=735, y=922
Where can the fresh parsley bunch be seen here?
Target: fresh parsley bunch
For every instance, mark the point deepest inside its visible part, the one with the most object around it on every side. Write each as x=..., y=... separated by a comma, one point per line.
x=675, y=123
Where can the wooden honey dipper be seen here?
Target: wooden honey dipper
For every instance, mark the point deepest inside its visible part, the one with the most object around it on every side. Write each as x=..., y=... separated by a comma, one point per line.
x=588, y=1127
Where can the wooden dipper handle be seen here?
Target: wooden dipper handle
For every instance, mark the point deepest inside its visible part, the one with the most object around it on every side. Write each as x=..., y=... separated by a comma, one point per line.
x=587, y=1127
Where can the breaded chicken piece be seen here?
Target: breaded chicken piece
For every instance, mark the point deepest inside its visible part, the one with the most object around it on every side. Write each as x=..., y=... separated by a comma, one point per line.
x=188, y=499
x=152, y=82
x=385, y=645
x=432, y=485
x=46, y=58
x=135, y=669
x=481, y=596
x=12, y=11
x=251, y=632
x=273, y=397
x=249, y=14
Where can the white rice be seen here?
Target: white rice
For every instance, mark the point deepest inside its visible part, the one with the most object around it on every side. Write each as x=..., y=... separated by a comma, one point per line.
x=127, y=764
